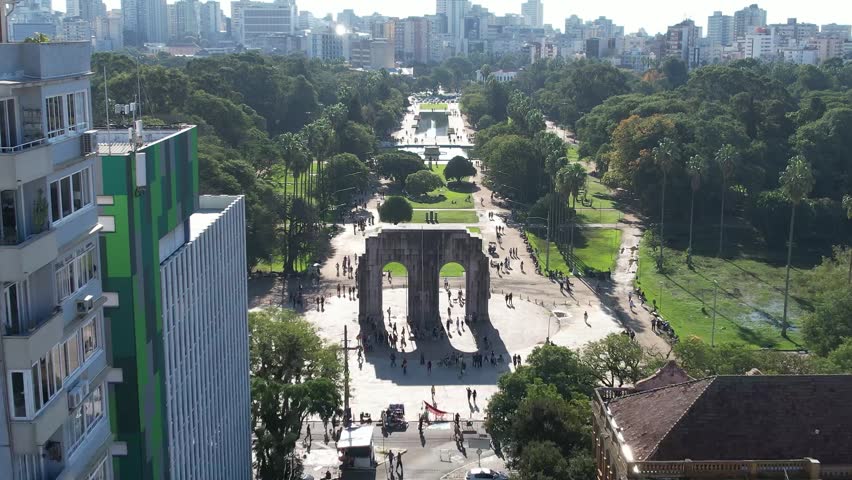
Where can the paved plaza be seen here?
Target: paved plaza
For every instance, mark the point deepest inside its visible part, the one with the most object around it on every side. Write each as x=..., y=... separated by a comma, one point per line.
x=540, y=309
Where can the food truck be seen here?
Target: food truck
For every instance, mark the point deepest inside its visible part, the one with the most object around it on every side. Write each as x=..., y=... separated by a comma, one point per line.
x=355, y=448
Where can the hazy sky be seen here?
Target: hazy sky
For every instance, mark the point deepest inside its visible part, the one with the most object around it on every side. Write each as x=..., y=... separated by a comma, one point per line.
x=653, y=15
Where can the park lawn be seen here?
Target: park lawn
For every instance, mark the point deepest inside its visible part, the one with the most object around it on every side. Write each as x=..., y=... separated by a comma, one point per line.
x=447, y=216
x=433, y=106
x=557, y=262
x=474, y=230
x=449, y=270
x=600, y=195
x=598, y=215
x=277, y=265
x=597, y=247
x=750, y=297
x=451, y=195
x=573, y=153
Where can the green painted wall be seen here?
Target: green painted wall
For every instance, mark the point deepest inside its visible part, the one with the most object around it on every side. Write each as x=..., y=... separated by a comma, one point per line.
x=131, y=268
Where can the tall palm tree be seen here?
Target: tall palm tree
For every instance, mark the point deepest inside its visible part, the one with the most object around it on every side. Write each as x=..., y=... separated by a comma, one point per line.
x=695, y=168
x=847, y=204
x=664, y=155
x=570, y=179
x=726, y=158
x=797, y=181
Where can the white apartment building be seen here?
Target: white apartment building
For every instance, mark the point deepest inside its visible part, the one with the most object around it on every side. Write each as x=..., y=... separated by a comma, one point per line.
x=760, y=46
x=250, y=19
x=55, y=381
x=800, y=55
x=203, y=326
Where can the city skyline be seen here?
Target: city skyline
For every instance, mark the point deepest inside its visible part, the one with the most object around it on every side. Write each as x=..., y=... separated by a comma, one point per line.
x=629, y=14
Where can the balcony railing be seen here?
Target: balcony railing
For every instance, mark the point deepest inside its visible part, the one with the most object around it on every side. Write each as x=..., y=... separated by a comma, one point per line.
x=22, y=147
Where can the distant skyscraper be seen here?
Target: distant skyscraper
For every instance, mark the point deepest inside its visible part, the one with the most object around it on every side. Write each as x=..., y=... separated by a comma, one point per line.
x=533, y=13
x=145, y=21
x=441, y=7
x=456, y=11
x=720, y=29
x=747, y=19
x=681, y=42
x=251, y=19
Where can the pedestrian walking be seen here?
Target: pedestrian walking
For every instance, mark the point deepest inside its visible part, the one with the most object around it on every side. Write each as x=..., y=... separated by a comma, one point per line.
x=474, y=397
x=468, y=394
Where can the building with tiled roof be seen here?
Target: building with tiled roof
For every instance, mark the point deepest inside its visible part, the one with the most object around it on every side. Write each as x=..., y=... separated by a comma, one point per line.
x=727, y=427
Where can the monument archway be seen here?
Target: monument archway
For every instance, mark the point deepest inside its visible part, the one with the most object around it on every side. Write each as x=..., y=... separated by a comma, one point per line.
x=423, y=251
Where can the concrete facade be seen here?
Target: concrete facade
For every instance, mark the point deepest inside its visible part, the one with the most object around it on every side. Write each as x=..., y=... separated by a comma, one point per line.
x=423, y=252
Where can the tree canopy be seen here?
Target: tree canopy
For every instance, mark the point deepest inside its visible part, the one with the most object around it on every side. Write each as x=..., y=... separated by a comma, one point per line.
x=422, y=182
x=395, y=210
x=459, y=168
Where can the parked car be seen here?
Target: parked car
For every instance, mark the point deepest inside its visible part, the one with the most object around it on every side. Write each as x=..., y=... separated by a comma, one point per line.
x=486, y=474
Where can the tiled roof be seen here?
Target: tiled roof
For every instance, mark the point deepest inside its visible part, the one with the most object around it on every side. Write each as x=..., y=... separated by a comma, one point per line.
x=772, y=417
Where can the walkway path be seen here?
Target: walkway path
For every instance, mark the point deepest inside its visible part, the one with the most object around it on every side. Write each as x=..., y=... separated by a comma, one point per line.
x=616, y=295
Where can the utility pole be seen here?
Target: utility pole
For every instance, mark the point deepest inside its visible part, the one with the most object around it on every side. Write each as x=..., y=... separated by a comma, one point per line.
x=347, y=415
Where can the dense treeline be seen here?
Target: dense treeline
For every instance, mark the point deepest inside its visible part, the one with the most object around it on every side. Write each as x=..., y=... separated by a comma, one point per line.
x=766, y=113
x=268, y=128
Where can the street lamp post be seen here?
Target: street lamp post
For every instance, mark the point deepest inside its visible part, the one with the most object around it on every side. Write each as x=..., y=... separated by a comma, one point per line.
x=713, y=332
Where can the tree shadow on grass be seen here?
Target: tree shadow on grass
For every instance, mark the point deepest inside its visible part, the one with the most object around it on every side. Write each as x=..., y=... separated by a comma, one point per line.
x=463, y=187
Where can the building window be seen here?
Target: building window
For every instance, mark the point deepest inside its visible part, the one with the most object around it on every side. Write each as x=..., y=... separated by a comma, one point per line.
x=75, y=271
x=85, y=416
x=101, y=472
x=19, y=393
x=77, y=120
x=54, y=107
x=90, y=339
x=15, y=311
x=71, y=353
x=70, y=194
x=8, y=124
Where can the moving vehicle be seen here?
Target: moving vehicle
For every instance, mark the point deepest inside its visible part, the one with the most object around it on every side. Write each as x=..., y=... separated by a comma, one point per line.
x=355, y=448
x=486, y=474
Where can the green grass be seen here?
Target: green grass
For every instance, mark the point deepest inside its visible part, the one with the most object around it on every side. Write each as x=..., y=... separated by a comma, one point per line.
x=573, y=153
x=557, y=262
x=449, y=270
x=599, y=194
x=452, y=195
x=594, y=215
x=750, y=296
x=433, y=106
x=277, y=265
x=597, y=247
x=474, y=230
x=447, y=216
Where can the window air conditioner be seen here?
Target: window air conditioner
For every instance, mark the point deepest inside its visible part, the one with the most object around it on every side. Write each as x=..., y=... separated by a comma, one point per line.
x=85, y=305
x=89, y=142
x=77, y=394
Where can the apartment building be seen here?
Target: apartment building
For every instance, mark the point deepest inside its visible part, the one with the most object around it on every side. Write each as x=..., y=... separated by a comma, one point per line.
x=251, y=20
x=56, y=381
x=177, y=309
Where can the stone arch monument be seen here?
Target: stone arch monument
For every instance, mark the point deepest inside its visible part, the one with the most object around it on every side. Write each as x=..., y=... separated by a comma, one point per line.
x=423, y=252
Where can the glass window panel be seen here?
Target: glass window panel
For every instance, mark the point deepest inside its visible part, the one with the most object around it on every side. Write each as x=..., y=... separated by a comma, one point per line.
x=72, y=353
x=72, y=113
x=44, y=380
x=19, y=397
x=57, y=367
x=89, y=411
x=87, y=187
x=36, y=387
x=65, y=189
x=55, y=201
x=9, y=215
x=70, y=277
x=51, y=379
x=90, y=340
x=77, y=425
x=77, y=190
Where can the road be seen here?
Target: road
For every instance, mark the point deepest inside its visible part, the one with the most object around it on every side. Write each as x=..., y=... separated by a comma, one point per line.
x=432, y=456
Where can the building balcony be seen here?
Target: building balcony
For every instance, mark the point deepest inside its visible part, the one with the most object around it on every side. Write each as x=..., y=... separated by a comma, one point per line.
x=37, y=158
x=27, y=257
x=32, y=62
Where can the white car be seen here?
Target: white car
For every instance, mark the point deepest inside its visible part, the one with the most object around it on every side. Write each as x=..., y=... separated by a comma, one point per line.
x=485, y=473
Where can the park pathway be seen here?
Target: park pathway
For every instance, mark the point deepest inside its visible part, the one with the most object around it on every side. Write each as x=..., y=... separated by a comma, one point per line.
x=615, y=295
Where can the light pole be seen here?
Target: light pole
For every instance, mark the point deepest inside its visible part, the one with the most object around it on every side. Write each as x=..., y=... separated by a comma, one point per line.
x=713, y=332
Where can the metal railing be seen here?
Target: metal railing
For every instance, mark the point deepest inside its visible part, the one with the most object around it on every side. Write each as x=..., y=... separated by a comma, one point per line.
x=23, y=146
